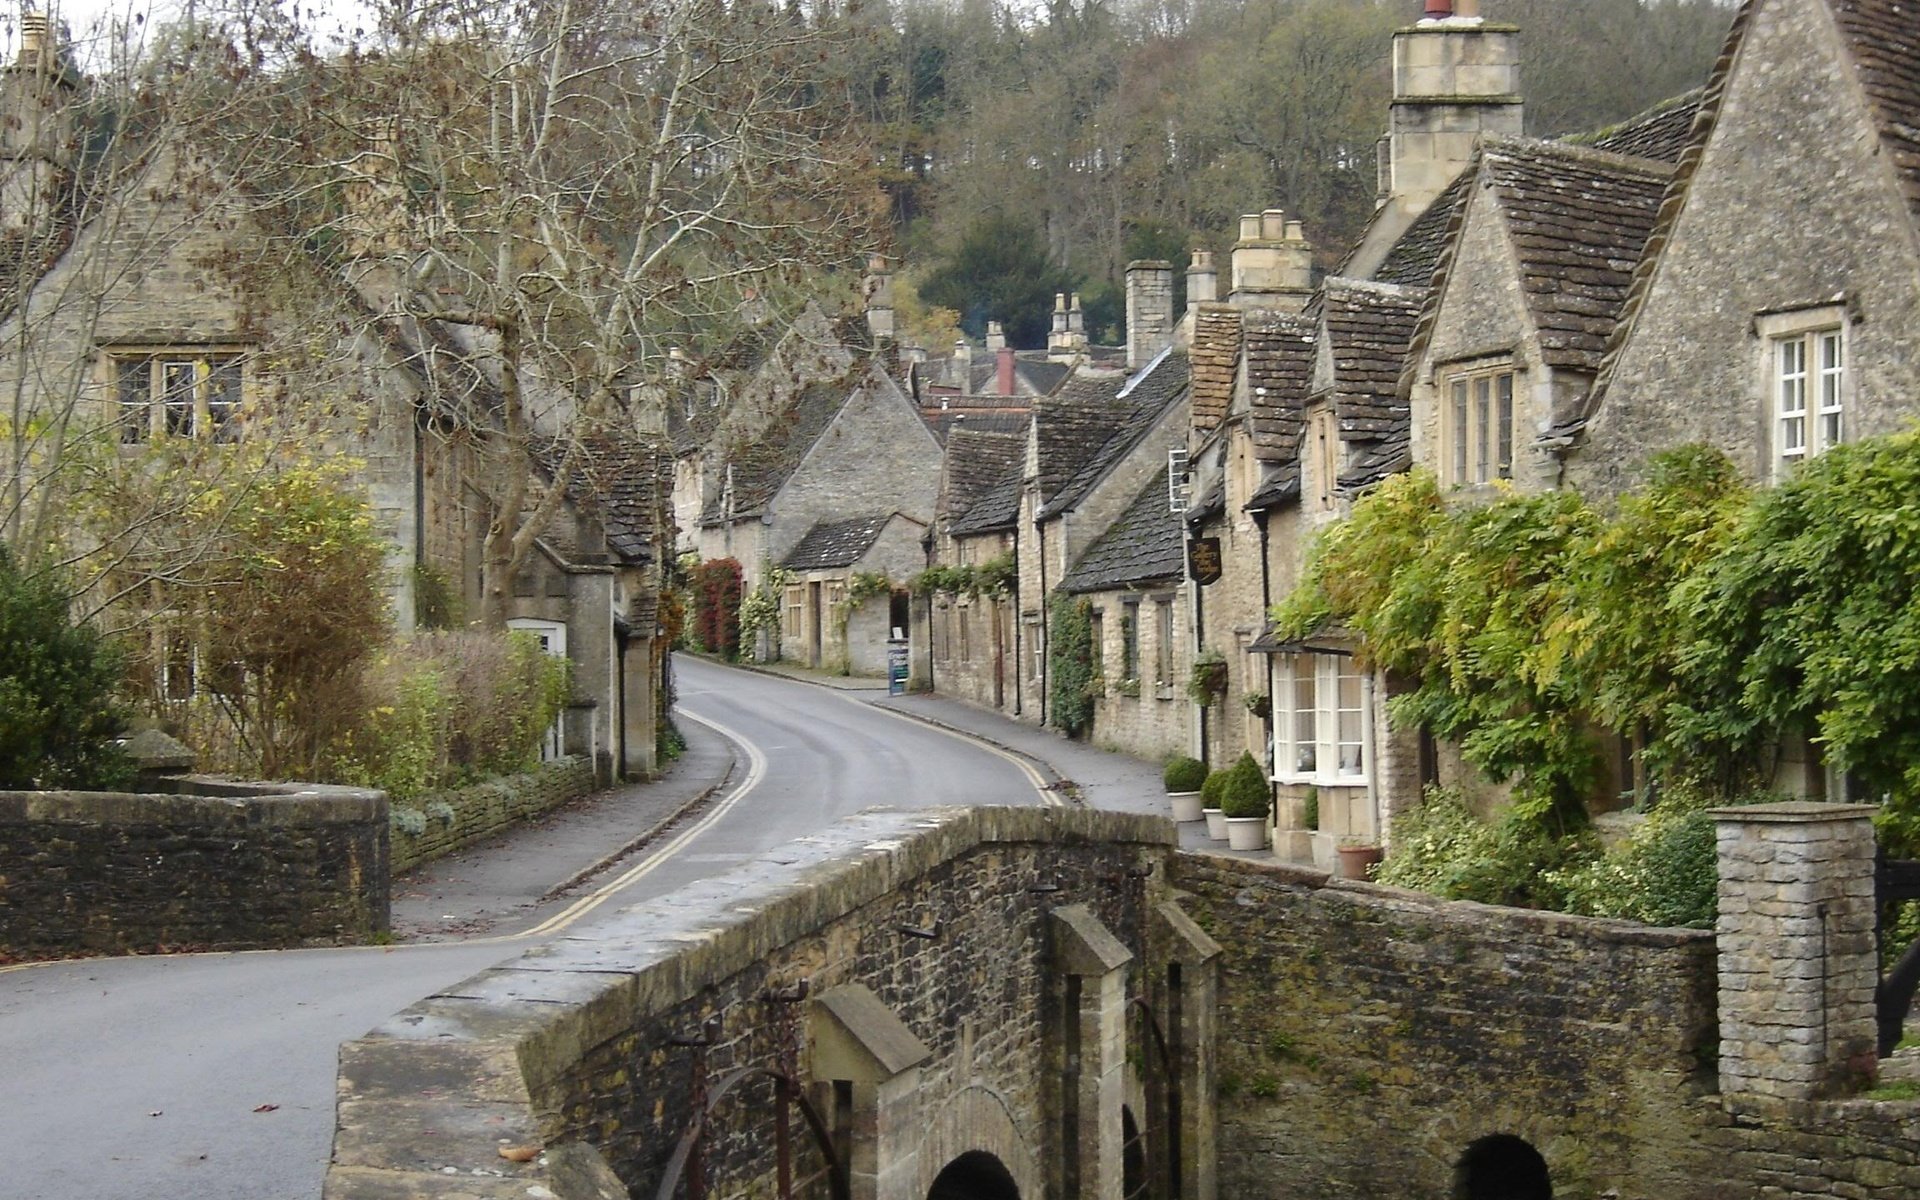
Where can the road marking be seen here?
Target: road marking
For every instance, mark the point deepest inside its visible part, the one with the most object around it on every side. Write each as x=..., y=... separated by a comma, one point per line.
x=756, y=771
x=1048, y=796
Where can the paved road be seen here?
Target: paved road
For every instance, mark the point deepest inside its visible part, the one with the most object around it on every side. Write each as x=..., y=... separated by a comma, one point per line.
x=139, y=1077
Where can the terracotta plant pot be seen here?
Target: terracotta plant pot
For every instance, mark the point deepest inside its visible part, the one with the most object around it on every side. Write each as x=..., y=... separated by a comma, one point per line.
x=1358, y=862
x=1216, y=824
x=1186, y=805
x=1246, y=833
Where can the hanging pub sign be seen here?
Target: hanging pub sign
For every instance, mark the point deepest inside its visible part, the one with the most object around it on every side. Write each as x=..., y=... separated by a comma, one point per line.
x=1203, y=560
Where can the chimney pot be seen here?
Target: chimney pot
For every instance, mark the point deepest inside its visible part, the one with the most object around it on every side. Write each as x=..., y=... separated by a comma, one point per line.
x=1296, y=231
x=1003, y=371
x=1250, y=227
x=1273, y=224
x=1466, y=8
x=1438, y=10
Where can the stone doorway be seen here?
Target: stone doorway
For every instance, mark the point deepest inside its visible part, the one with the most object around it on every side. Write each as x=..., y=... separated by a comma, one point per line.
x=975, y=1175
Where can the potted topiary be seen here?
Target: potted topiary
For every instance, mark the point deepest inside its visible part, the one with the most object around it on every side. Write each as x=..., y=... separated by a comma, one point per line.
x=1245, y=800
x=1184, y=778
x=1210, y=805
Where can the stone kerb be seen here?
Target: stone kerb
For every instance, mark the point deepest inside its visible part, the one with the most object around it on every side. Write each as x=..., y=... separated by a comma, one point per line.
x=1797, y=960
x=509, y=1053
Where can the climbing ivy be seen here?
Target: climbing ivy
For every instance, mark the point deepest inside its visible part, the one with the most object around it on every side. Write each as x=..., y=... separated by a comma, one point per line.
x=993, y=578
x=1070, y=674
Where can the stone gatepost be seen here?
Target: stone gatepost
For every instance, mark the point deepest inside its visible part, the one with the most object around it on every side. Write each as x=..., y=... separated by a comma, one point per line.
x=1095, y=1008
x=868, y=1063
x=1796, y=948
x=1187, y=998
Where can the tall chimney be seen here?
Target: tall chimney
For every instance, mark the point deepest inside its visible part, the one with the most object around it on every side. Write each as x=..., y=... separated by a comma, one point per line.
x=1064, y=341
x=1203, y=281
x=1003, y=371
x=39, y=135
x=1149, y=310
x=879, y=288
x=1272, y=263
x=963, y=366
x=996, y=336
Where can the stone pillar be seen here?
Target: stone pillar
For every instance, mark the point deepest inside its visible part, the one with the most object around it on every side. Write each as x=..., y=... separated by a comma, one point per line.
x=1149, y=310
x=1796, y=948
x=859, y=1048
x=1095, y=969
x=1186, y=997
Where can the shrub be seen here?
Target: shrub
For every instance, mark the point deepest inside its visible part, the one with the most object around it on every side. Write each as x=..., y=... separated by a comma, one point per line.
x=57, y=679
x=1070, y=665
x=1211, y=788
x=716, y=587
x=1310, y=809
x=1666, y=873
x=1246, y=792
x=1441, y=847
x=1184, y=774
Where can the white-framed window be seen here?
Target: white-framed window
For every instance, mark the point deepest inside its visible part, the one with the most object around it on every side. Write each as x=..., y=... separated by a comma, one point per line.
x=552, y=636
x=1476, y=425
x=190, y=393
x=1321, y=730
x=1806, y=383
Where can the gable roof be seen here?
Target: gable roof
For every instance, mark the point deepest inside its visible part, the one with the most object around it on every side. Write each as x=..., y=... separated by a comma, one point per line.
x=1144, y=544
x=1662, y=133
x=1883, y=39
x=1368, y=327
x=623, y=481
x=1214, y=359
x=1413, y=259
x=1085, y=431
x=831, y=544
x=996, y=507
x=992, y=414
x=1279, y=374
x=975, y=462
x=1578, y=220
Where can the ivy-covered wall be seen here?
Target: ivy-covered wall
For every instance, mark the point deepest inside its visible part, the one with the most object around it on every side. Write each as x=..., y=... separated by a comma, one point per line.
x=439, y=823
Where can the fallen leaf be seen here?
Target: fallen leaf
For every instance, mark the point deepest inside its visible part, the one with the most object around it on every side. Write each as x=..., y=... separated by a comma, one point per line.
x=519, y=1153
x=266, y=1108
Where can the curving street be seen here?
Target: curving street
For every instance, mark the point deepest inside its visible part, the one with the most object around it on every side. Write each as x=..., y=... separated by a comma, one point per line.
x=211, y=1075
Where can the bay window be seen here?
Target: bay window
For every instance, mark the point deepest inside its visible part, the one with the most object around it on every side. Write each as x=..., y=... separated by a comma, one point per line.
x=1320, y=719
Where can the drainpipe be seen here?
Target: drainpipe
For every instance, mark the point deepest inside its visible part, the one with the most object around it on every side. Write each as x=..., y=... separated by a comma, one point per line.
x=927, y=550
x=1018, y=624
x=1040, y=532
x=1266, y=603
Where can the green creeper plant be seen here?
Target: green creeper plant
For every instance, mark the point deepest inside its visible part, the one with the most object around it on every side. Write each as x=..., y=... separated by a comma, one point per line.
x=1070, y=673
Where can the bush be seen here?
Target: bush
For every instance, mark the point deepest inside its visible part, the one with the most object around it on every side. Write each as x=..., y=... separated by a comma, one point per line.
x=1184, y=774
x=1666, y=873
x=1070, y=674
x=57, y=679
x=1441, y=847
x=716, y=586
x=1211, y=788
x=1246, y=792
x=1310, y=809
x=451, y=707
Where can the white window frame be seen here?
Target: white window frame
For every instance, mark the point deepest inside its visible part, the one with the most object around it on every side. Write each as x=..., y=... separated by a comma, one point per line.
x=178, y=398
x=1478, y=408
x=1806, y=384
x=1311, y=740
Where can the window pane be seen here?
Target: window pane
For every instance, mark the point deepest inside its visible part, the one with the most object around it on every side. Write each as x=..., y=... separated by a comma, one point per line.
x=1482, y=427
x=1503, y=424
x=1351, y=733
x=223, y=400
x=176, y=392
x=1830, y=388
x=1793, y=376
x=134, y=383
x=1163, y=640
x=1305, y=723
x=1459, y=432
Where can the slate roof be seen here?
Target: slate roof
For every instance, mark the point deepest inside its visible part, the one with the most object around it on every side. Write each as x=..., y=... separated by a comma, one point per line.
x=1414, y=257
x=1578, y=220
x=1279, y=374
x=831, y=544
x=1662, y=133
x=1369, y=327
x=991, y=414
x=1142, y=545
x=623, y=481
x=975, y=463
x=1093, y=421
x=996, y=508
x=1213, y=358
x=762, y=464
x=1281, y=486
x=1883, y=36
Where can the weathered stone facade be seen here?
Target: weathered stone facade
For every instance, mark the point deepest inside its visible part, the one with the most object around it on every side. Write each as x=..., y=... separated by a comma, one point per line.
x=216, y=865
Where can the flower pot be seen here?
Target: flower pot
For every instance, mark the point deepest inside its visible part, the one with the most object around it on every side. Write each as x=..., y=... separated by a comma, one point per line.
x=1246, y=833
x=1216, y=823
x=1186, y=805
x=1358, y=862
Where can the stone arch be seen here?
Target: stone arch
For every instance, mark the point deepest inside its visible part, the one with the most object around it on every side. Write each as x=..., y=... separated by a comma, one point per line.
x=975, y=1175
x=1501, y=1166
x=1133, y=1154
x=978, y=1119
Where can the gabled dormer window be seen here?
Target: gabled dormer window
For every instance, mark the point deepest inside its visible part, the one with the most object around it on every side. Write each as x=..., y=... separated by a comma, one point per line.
x=1476, y=426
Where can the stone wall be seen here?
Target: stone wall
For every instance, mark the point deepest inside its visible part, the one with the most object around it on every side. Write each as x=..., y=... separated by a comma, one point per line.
x=950, y=919
x=458, y=817
x=226, y=866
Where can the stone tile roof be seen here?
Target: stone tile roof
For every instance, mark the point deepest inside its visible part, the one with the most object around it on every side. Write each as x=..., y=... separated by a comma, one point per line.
x=1281, y=486
x=1883, y=37
x=975, y=462
x=1374, y=461
x=991, y=414
x=1093, y=421
x=763, y=463
x=1215, y=359
x=1662, y=133
x=1578, y=220
x=1369, y=327
x=996, y=508
x=1413, y=258
x=831, y=544
x=622, y=480
x=1143, y=545
x=1279, y=375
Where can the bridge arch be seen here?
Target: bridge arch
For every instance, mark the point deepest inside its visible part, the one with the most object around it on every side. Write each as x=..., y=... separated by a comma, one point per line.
x=975, y=1121
x=1501, y=1166
x=975, y=1175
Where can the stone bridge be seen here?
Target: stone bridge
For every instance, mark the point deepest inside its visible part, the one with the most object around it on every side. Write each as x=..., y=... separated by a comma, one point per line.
x=991, y=1004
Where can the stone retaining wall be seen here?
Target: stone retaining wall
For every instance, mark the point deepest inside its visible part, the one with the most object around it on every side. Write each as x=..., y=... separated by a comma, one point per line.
x=220, y=866
x=457, y=817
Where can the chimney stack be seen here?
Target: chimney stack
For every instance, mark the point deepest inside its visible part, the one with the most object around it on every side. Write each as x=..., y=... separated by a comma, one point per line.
x=996, y=336
x=1272, y=263
x=1149, y=310
x=1203, y=281
x=879, y=288
x=1065, y=340
x=38, y=133
x=963, y=366
x=1003, y=371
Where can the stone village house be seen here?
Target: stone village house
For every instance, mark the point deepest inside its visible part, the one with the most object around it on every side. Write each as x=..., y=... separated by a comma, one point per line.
x=134, y=326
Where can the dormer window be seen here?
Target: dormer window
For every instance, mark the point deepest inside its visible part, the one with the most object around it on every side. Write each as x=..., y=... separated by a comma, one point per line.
x=190, y=394
x=1806, y=378
x=1476, y=426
